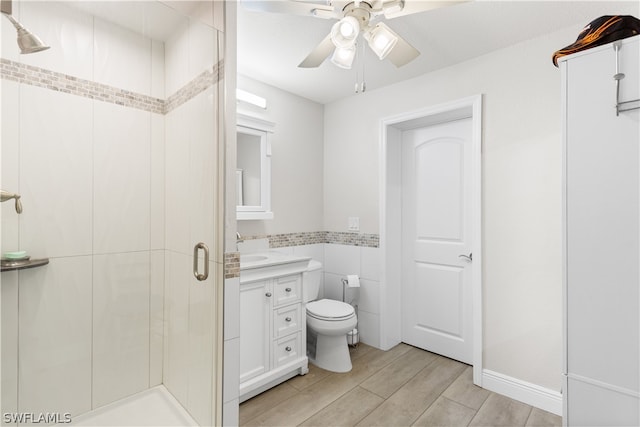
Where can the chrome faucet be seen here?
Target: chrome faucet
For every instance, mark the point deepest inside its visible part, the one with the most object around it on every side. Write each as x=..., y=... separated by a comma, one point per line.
x=5, y=195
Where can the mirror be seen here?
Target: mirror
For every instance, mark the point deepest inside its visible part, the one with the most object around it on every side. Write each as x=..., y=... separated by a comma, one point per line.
x=253, y=173
x=249, y=166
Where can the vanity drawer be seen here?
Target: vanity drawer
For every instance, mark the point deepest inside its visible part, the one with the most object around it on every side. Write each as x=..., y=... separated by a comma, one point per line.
x=286, y=349
x=287, y=290
x=286, y=320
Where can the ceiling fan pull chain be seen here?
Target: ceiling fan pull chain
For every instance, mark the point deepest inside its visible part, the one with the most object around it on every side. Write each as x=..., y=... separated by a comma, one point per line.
x=357, y=60
x=360, y=84
x=363, y=86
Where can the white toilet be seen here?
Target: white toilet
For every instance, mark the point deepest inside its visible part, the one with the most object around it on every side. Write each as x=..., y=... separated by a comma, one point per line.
x=328, y=322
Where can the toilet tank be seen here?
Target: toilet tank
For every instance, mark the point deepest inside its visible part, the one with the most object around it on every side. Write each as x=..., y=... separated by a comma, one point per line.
x=311, y=281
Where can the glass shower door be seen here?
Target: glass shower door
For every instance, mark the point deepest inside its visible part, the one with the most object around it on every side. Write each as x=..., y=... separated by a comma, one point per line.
x=191, y=273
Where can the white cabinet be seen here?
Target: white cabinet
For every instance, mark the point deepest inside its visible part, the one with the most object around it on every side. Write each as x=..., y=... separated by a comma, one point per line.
x=255, y=310
x=272, y=332
x=601, y=237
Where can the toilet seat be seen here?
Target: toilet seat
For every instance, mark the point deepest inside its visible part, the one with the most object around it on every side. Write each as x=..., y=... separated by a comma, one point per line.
x=330, y=310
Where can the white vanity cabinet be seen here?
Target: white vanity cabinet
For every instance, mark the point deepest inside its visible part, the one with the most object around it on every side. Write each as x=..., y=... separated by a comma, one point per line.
x=601, y=216
x=255, y=315
x=272, y=326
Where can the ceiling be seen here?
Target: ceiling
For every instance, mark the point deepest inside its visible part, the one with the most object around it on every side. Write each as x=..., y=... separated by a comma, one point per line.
x=271, y=45
x=157, y=20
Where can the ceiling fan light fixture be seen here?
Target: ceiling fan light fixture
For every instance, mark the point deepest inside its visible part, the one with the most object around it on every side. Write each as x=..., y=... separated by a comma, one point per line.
x=323, y=13
x=381, y=39
x=345, y=32
x=343, y=56
x=392, y=7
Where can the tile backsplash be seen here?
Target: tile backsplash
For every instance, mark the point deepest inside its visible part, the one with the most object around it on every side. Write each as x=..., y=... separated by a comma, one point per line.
x=314, y=237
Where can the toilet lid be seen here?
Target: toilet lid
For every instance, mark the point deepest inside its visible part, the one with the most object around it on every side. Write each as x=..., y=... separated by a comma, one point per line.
x=330, y=309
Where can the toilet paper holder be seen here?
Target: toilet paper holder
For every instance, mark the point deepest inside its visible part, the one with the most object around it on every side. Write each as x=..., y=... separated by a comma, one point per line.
x=351, y=281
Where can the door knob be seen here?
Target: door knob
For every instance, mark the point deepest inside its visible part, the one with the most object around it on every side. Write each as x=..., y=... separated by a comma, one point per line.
x=467, y=257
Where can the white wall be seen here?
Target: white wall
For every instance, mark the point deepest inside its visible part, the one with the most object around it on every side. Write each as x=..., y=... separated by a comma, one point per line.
x=296, y=161
x=521, y=190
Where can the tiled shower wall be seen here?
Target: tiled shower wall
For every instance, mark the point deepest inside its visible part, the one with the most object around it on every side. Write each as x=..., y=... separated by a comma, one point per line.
x=83, y=142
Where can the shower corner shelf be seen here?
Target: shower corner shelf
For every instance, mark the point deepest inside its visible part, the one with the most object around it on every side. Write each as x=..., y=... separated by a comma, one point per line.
x=23, y=265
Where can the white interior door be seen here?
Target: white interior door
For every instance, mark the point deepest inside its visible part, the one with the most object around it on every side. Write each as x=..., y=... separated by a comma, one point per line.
x=436, y=239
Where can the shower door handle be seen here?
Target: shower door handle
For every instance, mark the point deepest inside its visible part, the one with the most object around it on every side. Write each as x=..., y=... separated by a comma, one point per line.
x=196, y=272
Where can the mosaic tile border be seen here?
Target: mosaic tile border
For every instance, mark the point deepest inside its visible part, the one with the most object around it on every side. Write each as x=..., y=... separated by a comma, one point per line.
x=353, y=239
x=40, y=77
x=315, y=237
x=204, y=81
x=231, y=265
x=295, y=239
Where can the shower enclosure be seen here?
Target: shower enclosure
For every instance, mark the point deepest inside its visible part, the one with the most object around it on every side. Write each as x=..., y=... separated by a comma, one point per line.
x=112, y=139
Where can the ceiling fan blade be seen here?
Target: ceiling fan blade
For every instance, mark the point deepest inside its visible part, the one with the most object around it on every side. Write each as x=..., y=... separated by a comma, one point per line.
x=417, y=6
x=402, y=53
x=318, y=54
x=290, y=7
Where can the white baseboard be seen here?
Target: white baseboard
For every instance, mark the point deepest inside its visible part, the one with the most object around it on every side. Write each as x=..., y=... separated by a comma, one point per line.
x=531, y=394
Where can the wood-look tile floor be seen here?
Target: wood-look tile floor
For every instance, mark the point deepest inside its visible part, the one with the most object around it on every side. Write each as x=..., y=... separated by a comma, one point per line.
x=404, y=386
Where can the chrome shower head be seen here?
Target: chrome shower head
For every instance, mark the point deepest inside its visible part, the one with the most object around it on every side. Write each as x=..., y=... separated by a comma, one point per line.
x=27, y=41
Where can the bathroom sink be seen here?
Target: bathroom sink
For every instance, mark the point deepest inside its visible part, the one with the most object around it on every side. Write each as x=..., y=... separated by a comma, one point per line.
x=252, y=258
x=263, y=265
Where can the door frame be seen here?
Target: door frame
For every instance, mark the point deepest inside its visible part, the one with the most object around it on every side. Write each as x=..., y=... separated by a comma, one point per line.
x=390, y=216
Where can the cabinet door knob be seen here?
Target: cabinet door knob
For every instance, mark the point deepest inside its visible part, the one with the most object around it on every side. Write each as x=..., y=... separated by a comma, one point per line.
x=268, y=294
x=288, y=319
x=288, y=289
x=288, y=348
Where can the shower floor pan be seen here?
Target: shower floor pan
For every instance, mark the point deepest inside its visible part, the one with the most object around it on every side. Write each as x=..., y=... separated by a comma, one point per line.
x=153, y=407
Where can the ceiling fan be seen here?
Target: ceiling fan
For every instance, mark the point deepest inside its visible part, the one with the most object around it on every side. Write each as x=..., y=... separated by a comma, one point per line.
x=354, y=17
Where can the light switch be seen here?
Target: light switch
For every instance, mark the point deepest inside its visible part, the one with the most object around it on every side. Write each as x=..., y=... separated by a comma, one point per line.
x=354, y=223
